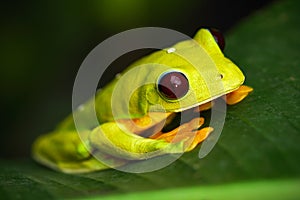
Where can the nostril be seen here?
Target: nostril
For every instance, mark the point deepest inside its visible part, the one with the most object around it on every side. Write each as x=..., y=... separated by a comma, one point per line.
x=221, y=76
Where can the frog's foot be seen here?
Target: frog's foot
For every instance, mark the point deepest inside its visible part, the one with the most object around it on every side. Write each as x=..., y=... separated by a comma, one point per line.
x=238, y=95
x=187, y=132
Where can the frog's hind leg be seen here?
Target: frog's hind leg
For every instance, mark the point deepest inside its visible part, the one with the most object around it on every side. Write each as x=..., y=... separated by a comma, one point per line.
x=115, y=139
x=64, y=151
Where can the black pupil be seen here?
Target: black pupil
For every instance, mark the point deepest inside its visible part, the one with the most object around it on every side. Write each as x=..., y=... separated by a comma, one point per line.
x=173, y=85
x=219, y=38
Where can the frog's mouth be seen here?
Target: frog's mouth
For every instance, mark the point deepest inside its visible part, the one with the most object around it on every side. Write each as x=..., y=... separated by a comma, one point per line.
x=188, y=114
x=206, y=100
x=155, y=121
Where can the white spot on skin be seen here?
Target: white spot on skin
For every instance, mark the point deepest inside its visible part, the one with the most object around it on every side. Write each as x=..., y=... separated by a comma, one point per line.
x=171, y=50
x=118, y=75
x=81, y=108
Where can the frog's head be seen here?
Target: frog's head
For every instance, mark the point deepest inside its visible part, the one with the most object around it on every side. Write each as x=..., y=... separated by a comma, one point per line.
x=197, y=72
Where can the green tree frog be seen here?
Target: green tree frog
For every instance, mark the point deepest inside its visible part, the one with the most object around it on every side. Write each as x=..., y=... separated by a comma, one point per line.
x=65, y=151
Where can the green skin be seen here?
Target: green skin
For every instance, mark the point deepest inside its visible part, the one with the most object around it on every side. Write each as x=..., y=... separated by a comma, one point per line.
x=200, y=60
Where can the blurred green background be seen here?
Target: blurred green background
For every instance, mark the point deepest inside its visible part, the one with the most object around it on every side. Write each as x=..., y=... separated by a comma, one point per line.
x=42, y=44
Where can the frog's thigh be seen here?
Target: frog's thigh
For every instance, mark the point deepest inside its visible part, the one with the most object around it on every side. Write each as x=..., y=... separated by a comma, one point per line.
x=114, y=139
x=64, y=151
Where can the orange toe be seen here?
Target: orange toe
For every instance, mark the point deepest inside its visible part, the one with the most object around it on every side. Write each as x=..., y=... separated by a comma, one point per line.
x=238, y=95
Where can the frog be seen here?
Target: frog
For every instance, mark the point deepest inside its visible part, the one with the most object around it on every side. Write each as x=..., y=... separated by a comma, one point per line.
x=138, y=133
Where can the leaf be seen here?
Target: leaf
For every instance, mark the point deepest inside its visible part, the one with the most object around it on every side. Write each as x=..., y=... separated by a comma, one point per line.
x=260, y=139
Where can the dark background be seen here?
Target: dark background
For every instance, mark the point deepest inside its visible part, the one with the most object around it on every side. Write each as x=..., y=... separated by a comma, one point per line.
x=43, y=43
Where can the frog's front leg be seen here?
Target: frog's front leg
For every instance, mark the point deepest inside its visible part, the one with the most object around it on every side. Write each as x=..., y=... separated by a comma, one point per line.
x=188, y=132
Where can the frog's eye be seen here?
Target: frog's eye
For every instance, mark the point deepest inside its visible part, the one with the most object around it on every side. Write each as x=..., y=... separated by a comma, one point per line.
x=219, y=38
x=173, y=85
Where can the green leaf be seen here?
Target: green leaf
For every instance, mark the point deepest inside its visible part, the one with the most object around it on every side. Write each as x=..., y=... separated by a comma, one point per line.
x=258, y=152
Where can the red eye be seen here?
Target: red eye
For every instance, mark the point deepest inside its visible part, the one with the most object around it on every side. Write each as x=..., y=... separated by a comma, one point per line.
x=173, y=85
x=219, y=38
